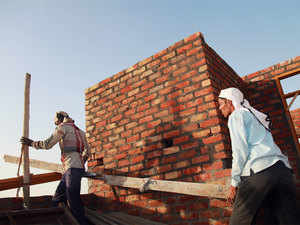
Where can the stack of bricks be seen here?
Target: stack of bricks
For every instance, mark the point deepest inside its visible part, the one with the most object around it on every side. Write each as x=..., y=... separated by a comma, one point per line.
x=159, y=119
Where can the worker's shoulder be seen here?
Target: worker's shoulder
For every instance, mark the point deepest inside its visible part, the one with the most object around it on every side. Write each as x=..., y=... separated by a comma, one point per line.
x=240, y=113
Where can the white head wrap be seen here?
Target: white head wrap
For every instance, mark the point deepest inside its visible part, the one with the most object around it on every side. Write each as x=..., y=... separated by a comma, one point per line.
x=238, y=101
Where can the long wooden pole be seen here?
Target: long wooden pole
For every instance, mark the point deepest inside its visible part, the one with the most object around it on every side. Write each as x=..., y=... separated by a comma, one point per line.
x=26, y=167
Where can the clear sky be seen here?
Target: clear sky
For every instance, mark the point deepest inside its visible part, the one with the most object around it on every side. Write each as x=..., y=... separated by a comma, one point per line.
x=68, y=46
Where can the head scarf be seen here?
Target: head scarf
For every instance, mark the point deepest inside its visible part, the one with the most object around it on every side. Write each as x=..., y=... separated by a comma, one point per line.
x=238, y=101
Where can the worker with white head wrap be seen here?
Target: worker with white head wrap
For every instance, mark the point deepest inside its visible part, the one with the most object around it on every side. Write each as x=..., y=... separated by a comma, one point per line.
x=259, y=169
x=74, y=154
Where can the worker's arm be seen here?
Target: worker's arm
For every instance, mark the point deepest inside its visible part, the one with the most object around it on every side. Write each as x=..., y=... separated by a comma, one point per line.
x=86, y=151
x=46, y=144
x=239, y=144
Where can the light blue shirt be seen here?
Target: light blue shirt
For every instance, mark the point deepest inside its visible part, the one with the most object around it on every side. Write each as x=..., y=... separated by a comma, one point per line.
x=252, y=145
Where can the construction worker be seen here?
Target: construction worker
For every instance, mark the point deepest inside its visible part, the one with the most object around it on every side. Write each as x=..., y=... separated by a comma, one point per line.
x=74, y=154
x=259, y=170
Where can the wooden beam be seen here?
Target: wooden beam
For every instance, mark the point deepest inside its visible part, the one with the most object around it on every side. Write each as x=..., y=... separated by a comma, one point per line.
x=288, y=116
x=35, y=163
x=16, y=182
x=144, y=184
x=188, y=188
x=25, y=152
x=287, y=74
x=294, y=98
x=291, y=94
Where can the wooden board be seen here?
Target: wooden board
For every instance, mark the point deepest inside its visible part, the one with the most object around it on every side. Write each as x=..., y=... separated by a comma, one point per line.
x=188, y=188
x=17, y=182
x=35, y=163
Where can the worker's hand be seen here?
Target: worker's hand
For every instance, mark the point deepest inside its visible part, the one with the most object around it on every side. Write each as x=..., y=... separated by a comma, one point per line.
x=26, y=141
x=231, y=195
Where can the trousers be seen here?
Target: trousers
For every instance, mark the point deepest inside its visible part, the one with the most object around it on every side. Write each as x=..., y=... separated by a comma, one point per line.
x=276, y=186
x=68, y=191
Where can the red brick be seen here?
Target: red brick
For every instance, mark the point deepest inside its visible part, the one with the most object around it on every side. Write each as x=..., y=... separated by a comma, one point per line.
x=180, y=71
x=188, y=74
x=192, y=170
x=190, y=145
x=184, y=48
x=169, y=159
x=172, y=133
x=180, y=139
x=124, y=162
x=199, y=159
x=172, y=175
x=148, y=133
x=146, y=119
x=148, y=85
x=210, y=122
x=170, y=150
x=142, y=94
x=162, y=79
x=153, y=123
x=133, y=138
x=164, y=168
x=159, y=54
x=116, y=118
x=187, y=154
x=125, y=147
x=143, y=107
x=152, y=163
x=101, y=123
x=212, y=139
x=204, y=91
x=137, y=167
x=213, y=166
x=154, y=154
x=150, y=97
x=222, y=173
x=126, y=133
x=167, y=104
x=220, y=155
x=137, y=159
x=193, y=51
x=187, y=112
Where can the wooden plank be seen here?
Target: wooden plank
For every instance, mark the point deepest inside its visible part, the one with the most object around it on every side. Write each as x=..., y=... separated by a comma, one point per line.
x=294, y=98
x=26, y=169
x=188, y=188
x=287, y=74
x=288, y=115
x=17, y=182
x=291, y=94
x=35, y=163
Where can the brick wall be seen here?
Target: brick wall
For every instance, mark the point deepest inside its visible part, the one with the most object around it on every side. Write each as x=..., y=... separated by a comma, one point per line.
x=296, y=120
x=159, y=119
x=264, y=95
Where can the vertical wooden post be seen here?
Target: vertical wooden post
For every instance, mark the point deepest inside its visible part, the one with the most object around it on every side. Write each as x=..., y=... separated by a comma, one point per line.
x=26, y=171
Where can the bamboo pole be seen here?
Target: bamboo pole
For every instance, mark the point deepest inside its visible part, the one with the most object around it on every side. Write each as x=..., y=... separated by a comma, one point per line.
x=26, y=170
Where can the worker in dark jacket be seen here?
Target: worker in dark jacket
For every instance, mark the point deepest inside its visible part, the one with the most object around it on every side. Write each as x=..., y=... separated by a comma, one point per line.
x=74, y=154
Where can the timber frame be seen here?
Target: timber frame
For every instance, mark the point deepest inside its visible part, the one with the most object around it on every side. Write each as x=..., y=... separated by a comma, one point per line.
x=285, y=105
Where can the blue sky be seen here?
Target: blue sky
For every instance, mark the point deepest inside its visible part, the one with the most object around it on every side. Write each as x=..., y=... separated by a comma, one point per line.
x=69, y=46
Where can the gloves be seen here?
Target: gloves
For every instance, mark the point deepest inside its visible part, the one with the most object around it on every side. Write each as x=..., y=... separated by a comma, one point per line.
x=26, y=141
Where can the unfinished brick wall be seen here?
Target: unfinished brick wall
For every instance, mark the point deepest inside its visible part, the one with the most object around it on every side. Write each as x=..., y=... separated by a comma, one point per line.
x=296, y=120
x=264, y=95
x=159, y=119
